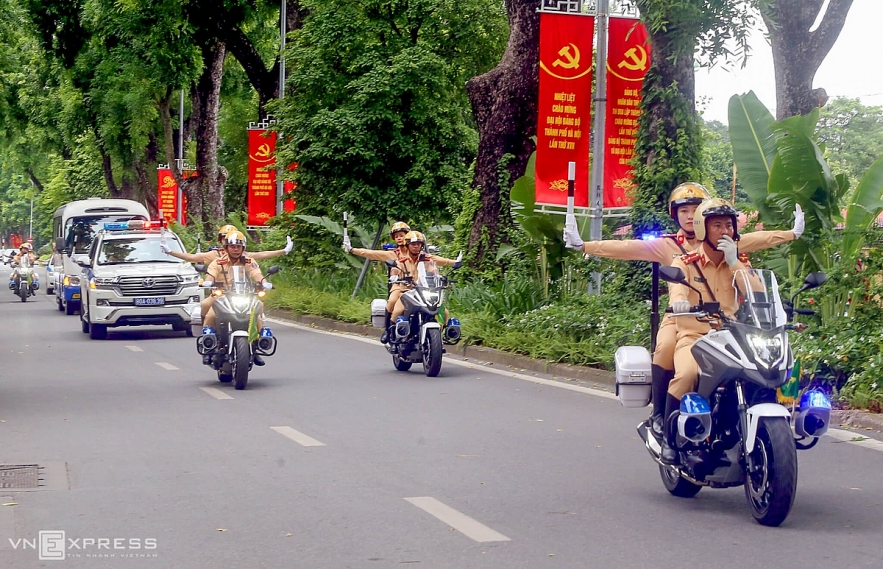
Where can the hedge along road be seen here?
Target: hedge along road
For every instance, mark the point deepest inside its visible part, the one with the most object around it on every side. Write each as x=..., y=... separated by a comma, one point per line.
x=331, y=458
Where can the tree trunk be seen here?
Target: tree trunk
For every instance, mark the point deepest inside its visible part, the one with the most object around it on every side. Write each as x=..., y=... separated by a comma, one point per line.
x=504, y=103
x=205, y=192
x=798, y=52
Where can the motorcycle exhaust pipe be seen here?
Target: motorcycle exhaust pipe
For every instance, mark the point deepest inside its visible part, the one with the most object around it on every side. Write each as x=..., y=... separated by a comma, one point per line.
x=452, y=330
x=266, y=345
x=207, y=343
x=403, y=329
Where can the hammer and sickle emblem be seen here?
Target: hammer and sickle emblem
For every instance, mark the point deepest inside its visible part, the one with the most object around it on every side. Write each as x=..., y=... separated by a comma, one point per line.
x=263, y=151
x=572, y=59
x=638, y=62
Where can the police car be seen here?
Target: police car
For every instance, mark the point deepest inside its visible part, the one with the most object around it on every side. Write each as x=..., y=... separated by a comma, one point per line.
x=128, y=280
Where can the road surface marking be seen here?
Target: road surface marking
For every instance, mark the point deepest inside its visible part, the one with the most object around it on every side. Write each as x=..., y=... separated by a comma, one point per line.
x=216, y=393
x=477, y=366
x=298, y=437
x=848, y=436
x=166, y=365
x=459, y=521
x=135, y=348
x=7, y=522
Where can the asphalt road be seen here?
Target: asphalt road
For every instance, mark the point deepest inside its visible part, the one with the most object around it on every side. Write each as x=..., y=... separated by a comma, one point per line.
x=332, y=459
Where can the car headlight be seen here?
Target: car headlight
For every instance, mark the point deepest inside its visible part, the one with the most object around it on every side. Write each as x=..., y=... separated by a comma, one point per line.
x=767, y=349
x=190, y=279
x=102, y=282
x=71, y=281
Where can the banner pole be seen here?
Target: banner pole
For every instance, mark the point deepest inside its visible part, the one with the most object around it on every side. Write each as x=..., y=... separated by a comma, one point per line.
x=596, y=194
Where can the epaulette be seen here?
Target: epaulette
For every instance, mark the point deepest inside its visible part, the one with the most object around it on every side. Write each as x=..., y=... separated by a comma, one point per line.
x=743, y=258
x=222, y=260
x=690, y=258
x=676, y=236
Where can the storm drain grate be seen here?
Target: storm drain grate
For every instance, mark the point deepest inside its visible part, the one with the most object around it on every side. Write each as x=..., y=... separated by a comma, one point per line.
x=19, y=476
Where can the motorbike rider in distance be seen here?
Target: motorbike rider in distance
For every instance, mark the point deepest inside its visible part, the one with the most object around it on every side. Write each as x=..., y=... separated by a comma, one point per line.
x=710, y=268
x=682, y=204
x=220, y=275
x=216, y=252
x=405, y=274
x=26, y=252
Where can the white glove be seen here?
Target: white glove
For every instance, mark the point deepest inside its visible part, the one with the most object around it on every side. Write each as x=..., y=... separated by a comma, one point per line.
x=164, y=247
x=267, y=285
x=680, y=306
x=208, y=284
x=347, y=246
x=288, y=244
x=571, y=234
x=729, y=248
x=799, y=223
x=458, y=262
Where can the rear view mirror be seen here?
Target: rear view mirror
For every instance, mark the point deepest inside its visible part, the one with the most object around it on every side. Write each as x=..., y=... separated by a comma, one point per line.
x=814, y=280
x=200, y=268
x=60, y=245
x=672, y=275
x=273, y=270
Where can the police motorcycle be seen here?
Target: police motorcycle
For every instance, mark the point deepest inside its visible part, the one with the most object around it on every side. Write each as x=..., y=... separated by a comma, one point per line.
x=417, y=335
x=28, y=281
x=230, y=351
x=732, y=431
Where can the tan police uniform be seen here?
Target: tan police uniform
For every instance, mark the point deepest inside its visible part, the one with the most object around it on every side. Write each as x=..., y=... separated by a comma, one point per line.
x=220, y=273
x=716, y=283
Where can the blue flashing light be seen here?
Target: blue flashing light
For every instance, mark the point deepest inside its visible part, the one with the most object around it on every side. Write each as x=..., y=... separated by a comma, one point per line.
x=815, y=399
x=390, y=246
x=649, y=236
x=694, y=404
x=266, y=332
x=117, y=226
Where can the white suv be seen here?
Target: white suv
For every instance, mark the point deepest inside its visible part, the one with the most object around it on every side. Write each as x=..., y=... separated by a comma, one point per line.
x=128, y=281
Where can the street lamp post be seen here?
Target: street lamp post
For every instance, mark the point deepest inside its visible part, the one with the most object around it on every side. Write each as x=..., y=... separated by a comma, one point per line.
x=283, y=17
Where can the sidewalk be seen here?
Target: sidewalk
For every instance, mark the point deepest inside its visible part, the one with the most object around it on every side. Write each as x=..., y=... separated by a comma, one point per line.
x=596, y=378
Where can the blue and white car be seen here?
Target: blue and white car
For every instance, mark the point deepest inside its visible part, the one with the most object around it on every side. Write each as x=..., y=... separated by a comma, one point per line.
x=128, y=281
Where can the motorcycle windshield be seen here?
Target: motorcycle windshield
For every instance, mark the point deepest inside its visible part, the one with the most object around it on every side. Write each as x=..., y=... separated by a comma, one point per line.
x=428, y=276
x=240, y=280
x=757, y=296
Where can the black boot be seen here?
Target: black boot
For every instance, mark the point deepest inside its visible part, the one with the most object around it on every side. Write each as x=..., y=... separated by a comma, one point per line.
x=207, y=359
x=661, y=378
x=258, y=360
x=384, y=338
x=669, y=454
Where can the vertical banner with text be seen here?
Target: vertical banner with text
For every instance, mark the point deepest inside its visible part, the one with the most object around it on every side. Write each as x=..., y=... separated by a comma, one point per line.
x=628, y=59
x=261, y=176
x=167, y=198
x=565, y=104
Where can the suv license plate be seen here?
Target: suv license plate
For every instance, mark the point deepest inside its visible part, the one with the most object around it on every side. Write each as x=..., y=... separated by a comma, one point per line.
x=150, y=301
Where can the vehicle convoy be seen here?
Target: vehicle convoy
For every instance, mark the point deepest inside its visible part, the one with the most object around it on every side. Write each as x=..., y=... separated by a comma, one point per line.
x=417, y=335
x=127, y=280
x=74, y=227
x=732, y=431
x=25, y=280
x=232, y=344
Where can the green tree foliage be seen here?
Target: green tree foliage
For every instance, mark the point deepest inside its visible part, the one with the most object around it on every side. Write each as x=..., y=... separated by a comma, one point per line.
x=377, y=118
x=852, y=135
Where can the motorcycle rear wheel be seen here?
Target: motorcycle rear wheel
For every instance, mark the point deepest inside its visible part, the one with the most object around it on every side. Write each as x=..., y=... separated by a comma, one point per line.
x=400, y=364
x=241, y=359
x=432, y=352
x=772, y=484
x=676, y=484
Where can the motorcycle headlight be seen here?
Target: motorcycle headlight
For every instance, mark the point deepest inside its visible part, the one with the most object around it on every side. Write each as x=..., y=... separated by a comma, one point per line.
x=241, y=302
x=767, y=350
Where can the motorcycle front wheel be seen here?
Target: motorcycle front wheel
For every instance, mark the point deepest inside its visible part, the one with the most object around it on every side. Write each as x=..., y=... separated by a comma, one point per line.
x=771, y=482
x=432, y=352
x=23, y=293
x=241, y=359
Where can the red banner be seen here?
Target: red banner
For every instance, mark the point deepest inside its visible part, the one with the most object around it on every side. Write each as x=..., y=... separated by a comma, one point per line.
x=168, y=195
x=628, y=59
x=565, y=105
x=261, y=176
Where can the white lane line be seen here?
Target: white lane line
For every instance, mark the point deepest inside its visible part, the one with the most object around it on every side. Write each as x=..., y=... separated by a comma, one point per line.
x=216, y=393
x=848, y=436
x=457, y=520
x=298, y=437
x=166, y=365
x=7, y=522
x=135, y=348
x=477, y=366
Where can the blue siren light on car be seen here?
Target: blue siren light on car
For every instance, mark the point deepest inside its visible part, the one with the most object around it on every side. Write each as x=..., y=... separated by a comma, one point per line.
x=132, y=224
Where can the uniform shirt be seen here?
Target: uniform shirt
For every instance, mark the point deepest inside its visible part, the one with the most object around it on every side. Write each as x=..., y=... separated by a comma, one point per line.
x=667, y=248
x=394, y=254
x=221, y=274
x=31, y=257
x=211, y=255
x=717, y=278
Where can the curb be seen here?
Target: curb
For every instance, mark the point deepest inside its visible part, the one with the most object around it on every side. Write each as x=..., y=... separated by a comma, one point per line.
x=514, y=362
x=488, y=356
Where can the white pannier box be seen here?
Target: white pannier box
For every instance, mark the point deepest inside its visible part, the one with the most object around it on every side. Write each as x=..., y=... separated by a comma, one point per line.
x=196, y=321
x=634, y=378
x=378, y=312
